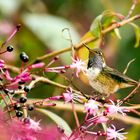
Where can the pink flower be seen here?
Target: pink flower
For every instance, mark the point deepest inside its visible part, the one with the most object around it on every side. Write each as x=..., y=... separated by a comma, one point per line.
x=113, y=134
x=78, y=65
x=2, y=63
x=68, y=95
x=24, y=76
x=34, y=125
x=100, y=119
x=6, y=74
x=92, y=107
x=112, y=109
x=16, y=129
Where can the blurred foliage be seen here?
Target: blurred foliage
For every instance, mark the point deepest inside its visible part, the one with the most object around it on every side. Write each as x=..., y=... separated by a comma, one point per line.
x=42, y=23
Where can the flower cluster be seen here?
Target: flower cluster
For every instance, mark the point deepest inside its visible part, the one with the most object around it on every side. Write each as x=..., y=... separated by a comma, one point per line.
x=15, y=85
x=26, y=129
x=98, y=113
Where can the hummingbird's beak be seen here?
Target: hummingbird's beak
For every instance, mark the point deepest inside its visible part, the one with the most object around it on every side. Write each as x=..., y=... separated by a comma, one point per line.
x=90, y=50
x=86, y=46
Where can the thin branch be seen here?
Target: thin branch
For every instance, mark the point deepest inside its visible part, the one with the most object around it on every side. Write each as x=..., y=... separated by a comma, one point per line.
x=136, y=112
x=79, y=108
x=131, y=61
x=132, y=8
x=133, y=92
x=48, y=81
x=55, y=53
x=120, y=24
x=16, y=29
x=110, y=28
x=70, y=40
x=133, y=107
x=127, y=119
x=39, y=79
x=75, y=114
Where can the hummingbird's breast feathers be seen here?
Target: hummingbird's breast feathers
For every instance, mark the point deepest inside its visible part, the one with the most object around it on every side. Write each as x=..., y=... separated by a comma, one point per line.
x=92, y=73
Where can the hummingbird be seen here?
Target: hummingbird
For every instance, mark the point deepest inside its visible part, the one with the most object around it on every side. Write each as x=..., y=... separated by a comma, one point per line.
x=102, y=78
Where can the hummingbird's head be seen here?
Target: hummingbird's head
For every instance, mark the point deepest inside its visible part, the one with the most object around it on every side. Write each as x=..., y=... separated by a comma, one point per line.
x=96, y=58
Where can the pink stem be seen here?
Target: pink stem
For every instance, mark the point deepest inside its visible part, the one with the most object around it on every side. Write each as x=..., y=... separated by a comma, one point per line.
x=11, y=35
x=75, y=115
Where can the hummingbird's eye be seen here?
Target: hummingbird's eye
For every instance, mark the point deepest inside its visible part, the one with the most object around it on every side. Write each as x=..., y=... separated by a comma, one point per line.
x=100, y=53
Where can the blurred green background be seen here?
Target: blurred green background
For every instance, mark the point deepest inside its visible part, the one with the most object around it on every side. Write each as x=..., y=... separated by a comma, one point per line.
x=42, y=23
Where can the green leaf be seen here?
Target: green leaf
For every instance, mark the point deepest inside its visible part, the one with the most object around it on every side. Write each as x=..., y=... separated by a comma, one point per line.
x=107, y=19
x=95, y=28
x=117, y=32
x=137, y=34
x=102, y=21
x=58, y=120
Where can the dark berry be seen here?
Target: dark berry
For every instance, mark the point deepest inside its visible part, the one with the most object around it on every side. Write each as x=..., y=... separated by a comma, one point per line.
x=4, y=69
x=24, y=57
x=30, y=107
x=33, y=78
x=19, y=113
x=21, y=82
x=18, y=26
x=10, y=48
x=26, y=120
x=26, y=89
x=56, y=58
x=19, y=87
x=6, y=91
x=62, y=71
x=17, y=106
x=60, y=129
x=105, y=113
x=12, y=92
x=22, y=99
x=37, y=61
x=98, y=133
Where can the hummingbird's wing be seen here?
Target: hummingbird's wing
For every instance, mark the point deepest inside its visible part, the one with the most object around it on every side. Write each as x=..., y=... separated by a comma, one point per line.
x=119, y=77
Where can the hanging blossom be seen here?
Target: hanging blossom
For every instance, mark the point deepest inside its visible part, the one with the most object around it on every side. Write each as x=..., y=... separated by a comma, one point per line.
x=115, y=108
x=68, y=95
x=79, y=65
x=114, y=134
x=92, y=107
